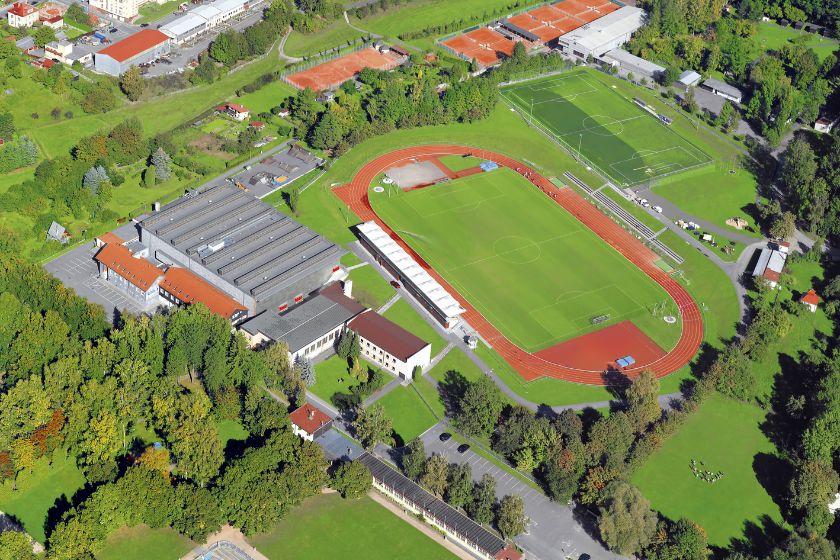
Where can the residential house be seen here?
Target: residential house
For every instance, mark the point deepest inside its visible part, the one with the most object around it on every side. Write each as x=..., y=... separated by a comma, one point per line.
x=235, y=110
x=810, y=300
x=309, y=422
x=22, y=14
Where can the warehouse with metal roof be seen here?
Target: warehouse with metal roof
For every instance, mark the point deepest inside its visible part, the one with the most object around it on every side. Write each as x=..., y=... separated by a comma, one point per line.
x=602, y=35
x=246, y=248
x=428, y=291
x=631, y=63
x=144, y=46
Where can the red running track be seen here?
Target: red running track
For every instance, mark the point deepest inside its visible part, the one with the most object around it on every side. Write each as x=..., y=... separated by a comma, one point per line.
x=530, y=366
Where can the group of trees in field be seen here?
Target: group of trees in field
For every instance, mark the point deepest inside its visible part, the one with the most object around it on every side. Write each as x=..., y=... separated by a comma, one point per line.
x=72, y=385
x=407, y=97
x=781, y=86
x=453, y=483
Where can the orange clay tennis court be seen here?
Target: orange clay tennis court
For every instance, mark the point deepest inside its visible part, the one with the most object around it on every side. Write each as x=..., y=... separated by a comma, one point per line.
x=548, y=23
x=332, y=74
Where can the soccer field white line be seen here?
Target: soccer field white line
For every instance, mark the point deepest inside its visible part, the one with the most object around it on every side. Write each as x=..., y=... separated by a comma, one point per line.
x=503, y=253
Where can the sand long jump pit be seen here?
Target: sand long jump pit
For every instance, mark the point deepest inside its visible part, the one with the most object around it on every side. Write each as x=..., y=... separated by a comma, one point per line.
x=416, y=174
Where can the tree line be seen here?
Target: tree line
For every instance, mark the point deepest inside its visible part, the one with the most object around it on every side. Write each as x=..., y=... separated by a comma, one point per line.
x=73, y=386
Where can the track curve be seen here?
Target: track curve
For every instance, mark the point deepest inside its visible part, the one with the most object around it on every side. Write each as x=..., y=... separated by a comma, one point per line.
x=530, y=366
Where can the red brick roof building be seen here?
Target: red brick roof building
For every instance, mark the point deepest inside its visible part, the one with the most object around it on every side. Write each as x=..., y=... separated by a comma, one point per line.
x=22, y=14
x=181, y=287
x=810, y=300
x=309, y=421
x=144, y=46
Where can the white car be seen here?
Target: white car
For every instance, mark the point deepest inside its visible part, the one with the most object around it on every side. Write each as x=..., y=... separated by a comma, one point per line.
x=658, y=209
x=644, y=202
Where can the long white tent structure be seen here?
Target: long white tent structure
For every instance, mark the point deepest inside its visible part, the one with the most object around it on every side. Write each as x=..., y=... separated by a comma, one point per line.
x=398, y=262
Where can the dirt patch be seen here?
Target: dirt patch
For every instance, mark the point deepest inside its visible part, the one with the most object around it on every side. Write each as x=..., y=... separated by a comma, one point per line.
x=210, y=144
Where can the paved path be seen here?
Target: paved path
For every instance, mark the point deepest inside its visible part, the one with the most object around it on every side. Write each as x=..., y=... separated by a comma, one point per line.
x=281, y=48
x=393, y=384
x=387, y=305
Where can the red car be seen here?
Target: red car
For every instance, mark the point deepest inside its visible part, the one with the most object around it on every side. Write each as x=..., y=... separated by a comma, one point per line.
x=395, y=284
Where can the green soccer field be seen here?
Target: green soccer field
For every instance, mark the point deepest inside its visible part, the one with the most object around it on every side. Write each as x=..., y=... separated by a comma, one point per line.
x=526, y=264
x=627, y=143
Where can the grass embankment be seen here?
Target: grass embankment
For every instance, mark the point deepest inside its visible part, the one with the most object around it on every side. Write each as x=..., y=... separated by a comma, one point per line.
x=403, y=314
x=326, y=526
x=336, y=34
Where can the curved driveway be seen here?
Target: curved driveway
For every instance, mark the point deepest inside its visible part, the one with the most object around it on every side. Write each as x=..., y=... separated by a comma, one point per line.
x=355, y=195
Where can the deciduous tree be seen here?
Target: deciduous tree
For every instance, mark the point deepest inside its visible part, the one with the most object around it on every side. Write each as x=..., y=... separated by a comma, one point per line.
x=352, y=480
x=627, y=524
x=510, y=517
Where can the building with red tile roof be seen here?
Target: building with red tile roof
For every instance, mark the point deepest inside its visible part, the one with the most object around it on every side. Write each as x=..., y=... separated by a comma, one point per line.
x=235, y=110
x=22, y=14
x=389, y=345
x=136, y=277
x=144, y=46
x=109, y=237
x=179, y=286
x=309, y=422
x=810, y=300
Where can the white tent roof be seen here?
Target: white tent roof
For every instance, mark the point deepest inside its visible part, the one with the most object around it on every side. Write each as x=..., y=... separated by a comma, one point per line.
x=410, y=270
x=619, y=23
x=207, y=11
x=183, y=24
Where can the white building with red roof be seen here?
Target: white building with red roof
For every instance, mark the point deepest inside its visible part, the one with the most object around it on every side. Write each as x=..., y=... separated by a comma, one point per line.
x=387, y=344
x=132, y=275
x=810, y=300
x=22, y=14
x=309, y=422
x=235, y=110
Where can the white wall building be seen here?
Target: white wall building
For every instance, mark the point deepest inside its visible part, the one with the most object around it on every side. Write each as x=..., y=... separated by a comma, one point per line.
x=203, y=18
x=309, y=422
x=22, y=14
x=121, y=9
x=602, y=35
x=389, y=345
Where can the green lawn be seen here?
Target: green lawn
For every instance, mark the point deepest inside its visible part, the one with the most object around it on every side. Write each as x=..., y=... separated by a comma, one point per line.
x=37, y=493
x=405, y=316
x=772, y=36
x=153, y=11
x=350, y=259
x=369, y=288
x=802, y=335
x=725, y=435
x=336, y=34
x=267, y=97
x=456, y=360
x=230, y=429
x=327, y=376
x=15, y=177
x=714, y=195
x=624, y=141
x=409, y=414
x=143, y=543
x=327, y=526
x=459, y=163
x=507, y=249
x=420, y=14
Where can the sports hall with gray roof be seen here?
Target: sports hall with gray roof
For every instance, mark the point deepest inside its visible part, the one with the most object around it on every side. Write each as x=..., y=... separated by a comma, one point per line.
x=243, y=246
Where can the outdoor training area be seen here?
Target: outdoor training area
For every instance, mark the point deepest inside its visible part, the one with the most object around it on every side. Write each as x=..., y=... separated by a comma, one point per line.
x=624, y=141
x=486, y=238
x=337, y=71
x=533, y=270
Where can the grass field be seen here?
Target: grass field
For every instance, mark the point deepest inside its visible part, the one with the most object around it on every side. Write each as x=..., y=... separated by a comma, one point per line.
x=144, y=543
x=154, y=11
x=231, y=430
x=625, y=142
x=725, y=435
x=369, y=287
x=772, y=36
x=38, y=492
x=405, y=316
x=714, y=196
x=266, y=97
x=336, y=34
x=327, y=526
x=459, y=163
x=409, y=414
x=508, y=250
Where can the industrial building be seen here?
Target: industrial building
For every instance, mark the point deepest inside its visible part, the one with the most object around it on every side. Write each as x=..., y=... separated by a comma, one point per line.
x=722, y=89
x=603, y=34
x=144, y=46
x=244, y=247
x=771, y=263
x=203, y=18
x=425, y=289
x=628, y=62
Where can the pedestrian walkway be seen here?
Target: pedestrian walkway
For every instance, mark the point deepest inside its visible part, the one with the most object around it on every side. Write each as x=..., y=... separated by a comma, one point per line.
x=389, y=303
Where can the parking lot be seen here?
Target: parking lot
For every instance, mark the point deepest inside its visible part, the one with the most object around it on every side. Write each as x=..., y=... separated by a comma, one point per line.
x=276, y=171
x=552, y=532
x=78, y=271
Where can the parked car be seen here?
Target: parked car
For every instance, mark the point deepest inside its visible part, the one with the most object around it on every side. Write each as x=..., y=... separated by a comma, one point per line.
x=463, y=447
x=395, y=284
x=144, y=25
x=658, y=209
x=113, y=30
x=444, y=436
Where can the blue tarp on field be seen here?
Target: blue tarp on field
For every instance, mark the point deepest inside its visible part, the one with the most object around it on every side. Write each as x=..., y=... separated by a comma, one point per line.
x=626, y=361
x=488, y=165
